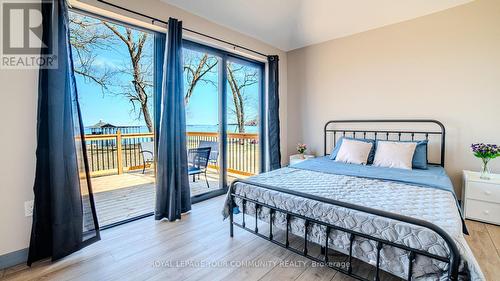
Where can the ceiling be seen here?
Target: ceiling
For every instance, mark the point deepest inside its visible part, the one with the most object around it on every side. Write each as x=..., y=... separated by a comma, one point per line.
x=291, y=24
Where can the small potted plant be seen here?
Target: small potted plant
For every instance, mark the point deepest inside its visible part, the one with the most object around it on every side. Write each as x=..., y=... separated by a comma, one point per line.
x=485, y=152
x=301, y=148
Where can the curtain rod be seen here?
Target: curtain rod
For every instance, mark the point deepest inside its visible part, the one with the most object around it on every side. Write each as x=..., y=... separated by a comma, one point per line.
x=153, y=19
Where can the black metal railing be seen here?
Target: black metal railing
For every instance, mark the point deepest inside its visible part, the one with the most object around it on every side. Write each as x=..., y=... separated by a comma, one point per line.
x=243, y=150
x=114, y=153
x=118, y=153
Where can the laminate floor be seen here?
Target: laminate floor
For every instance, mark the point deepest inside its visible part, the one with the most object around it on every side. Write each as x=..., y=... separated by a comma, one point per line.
x=198, y=247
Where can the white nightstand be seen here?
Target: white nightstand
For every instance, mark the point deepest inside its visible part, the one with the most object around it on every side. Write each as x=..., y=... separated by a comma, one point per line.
x=297, y=158
x=481, y=198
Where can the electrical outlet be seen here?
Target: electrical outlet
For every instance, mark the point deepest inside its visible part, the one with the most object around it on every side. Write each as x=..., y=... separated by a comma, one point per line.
x=28, y=208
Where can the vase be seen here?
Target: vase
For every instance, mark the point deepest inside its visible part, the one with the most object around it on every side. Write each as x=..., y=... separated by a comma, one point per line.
x=301, y=156
x=485, y=171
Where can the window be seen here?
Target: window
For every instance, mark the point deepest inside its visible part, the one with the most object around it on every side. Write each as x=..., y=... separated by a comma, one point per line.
x=114, y=69
x=113, y=66
x=223, y=95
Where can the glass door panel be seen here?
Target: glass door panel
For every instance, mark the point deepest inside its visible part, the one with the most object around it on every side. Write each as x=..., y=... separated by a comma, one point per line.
x=223, y=95
x=243, y=111
x=116, y=100
x=202, y=95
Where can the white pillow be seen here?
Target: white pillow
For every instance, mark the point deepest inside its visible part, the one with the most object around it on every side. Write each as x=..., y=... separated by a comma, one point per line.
x=394, y=154
x=354, y=152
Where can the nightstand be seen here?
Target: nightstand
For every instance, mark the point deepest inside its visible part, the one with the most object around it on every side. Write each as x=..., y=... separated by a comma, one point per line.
x=297, y=158
x=481, y=198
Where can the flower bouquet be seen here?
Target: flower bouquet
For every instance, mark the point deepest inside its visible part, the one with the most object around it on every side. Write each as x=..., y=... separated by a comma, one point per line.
x=301, y=148
x=485, y=152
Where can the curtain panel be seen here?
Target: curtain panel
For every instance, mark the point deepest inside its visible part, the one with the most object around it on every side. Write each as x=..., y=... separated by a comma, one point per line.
x=160, y=40
x=172, y=185
x=64, y=218
x=273, y=106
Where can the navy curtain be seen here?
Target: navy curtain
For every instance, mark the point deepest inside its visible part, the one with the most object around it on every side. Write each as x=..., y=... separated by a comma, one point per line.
x=159, y=62
x=172, y=185
x=64, y=218
x=273, y=106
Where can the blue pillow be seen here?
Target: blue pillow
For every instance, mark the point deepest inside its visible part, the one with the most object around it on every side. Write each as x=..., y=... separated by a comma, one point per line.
x=420, y=156
x=336, y=149
x=419, y=160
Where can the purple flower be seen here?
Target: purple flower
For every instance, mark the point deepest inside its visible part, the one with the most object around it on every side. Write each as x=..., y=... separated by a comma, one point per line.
x=485, y=151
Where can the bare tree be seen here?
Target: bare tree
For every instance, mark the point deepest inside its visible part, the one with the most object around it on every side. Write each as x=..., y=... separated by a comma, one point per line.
x=85, y=38
x=239, y=78
x=88, y=36
x=196, y=67
x=135, y=46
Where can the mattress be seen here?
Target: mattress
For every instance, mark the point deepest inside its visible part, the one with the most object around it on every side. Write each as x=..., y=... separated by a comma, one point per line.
x=434, y=205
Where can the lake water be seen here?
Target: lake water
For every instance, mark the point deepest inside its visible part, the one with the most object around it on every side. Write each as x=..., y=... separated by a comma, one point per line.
x=201, y=128
x=215, y=128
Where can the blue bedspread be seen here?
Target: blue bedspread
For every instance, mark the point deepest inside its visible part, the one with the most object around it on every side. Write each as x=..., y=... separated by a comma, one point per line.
x=434, y=177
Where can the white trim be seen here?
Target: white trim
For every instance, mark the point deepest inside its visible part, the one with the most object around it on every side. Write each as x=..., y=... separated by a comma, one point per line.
x=112, y=15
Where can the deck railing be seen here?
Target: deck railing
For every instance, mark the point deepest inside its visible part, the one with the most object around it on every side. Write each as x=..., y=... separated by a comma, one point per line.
x=119, y=153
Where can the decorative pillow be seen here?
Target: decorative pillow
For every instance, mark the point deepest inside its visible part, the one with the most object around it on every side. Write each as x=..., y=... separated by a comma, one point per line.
x=336, y=149
x=419, y=160
x=394, y=154
x=354, y=152
x=420, y=156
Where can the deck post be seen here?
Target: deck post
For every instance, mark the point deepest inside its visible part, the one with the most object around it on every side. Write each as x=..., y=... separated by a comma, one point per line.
x=119, y=152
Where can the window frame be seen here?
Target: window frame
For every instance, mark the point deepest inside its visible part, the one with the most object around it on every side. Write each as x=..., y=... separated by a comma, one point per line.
x=225, y=56
x=153, y=34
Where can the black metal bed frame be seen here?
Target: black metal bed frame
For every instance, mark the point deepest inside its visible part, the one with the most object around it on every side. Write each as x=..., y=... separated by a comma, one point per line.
x=453, y=260
x=387, y=133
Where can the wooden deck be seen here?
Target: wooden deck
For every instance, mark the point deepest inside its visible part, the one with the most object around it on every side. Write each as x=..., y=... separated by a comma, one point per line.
x=125, y=196
x=198, y=247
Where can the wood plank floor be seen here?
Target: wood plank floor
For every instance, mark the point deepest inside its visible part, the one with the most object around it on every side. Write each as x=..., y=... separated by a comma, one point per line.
x=484, y=240
x=198, y=247
x=120, y=197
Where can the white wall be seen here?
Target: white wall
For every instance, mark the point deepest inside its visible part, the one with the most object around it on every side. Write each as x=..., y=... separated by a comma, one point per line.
x=18, y=93
x=18, y=114
x=443, y=66
x=17, y=168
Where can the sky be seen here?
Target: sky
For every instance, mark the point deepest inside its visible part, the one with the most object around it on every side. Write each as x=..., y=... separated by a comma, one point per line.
x=97, y=105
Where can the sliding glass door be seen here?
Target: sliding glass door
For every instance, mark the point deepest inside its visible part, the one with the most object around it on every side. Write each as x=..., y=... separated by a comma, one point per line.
x=243, y=110
x=201, y=96
x=223, y=94
x=115, y=73
x=114, y=70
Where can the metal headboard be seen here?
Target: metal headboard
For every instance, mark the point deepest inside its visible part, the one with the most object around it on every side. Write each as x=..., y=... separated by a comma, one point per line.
x=332, y=131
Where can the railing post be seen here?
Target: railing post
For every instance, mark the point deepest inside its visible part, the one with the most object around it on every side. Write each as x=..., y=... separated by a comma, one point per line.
x=119, y=151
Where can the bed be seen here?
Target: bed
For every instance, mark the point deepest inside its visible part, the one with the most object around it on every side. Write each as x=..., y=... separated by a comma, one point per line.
x=403, y=222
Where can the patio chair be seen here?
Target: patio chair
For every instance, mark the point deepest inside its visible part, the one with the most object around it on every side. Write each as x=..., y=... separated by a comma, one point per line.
x=214, y=152
x=198, y=162
x=147, y=153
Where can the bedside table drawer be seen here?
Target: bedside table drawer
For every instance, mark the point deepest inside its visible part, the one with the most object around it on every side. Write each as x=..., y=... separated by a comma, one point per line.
x=484, y=211
x=483, y=191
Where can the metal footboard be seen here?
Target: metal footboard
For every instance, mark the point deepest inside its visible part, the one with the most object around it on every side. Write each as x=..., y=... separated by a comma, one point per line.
x=452, y=260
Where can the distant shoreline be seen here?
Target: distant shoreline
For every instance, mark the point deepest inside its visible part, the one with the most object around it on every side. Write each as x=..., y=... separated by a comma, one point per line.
x=197, y=128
